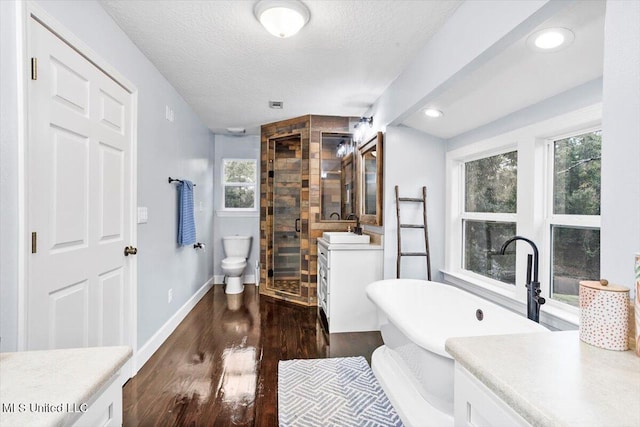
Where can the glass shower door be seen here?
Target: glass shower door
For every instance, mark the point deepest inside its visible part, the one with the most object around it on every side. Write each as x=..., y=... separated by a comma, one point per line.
x=287, y=185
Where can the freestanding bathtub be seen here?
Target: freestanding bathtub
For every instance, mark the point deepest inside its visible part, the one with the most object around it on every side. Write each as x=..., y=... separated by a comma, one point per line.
x=416, y=317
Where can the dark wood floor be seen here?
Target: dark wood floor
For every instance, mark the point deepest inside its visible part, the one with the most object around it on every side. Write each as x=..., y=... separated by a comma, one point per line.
x=219, y=367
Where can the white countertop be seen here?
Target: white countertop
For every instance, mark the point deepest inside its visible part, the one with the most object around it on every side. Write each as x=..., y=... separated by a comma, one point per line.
x=50, y=385
x=349, y=246
x=554, y=379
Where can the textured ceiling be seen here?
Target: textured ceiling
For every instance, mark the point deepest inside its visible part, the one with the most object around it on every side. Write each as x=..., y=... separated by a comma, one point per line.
x=227, y=67
x=519, y=77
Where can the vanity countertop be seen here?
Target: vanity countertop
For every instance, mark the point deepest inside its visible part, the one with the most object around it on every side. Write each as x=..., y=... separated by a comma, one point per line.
x=350, y=246
x=554, y=379
x=47, y=388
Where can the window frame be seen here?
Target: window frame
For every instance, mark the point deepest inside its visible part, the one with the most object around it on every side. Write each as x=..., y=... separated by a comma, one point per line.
x=565, y=220
x=224, y=184
x=532, y=213
x=501, y=217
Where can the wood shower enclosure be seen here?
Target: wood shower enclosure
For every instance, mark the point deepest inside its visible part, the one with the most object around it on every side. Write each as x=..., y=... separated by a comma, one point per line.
x=298, y=140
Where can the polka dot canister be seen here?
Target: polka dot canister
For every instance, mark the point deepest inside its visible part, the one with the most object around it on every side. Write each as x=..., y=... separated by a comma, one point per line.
x=604, y=312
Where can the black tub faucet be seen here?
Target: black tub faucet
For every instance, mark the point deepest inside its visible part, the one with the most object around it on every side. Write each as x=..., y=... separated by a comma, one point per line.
x=534, y=300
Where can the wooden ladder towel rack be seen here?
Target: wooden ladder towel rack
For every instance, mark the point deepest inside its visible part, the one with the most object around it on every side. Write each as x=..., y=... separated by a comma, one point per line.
x=423, y=226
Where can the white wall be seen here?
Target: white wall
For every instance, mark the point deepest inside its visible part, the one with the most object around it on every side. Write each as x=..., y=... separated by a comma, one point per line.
x=8, y=177
x=620, y=229
x=413, y=159
x=182, y=149
x=233, y=147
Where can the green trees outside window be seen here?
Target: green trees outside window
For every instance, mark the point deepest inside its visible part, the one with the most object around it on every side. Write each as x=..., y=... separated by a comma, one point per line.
x=490, y=186
x=576, y=194
x=239, y=180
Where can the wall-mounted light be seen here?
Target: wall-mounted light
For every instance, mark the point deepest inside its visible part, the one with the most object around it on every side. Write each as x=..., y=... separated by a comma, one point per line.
x=361, y=128
x=433, y=113
x=282, y=18
x=550, y=39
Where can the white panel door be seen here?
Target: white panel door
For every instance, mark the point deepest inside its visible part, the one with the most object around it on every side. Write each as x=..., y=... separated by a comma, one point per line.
x=79, y=188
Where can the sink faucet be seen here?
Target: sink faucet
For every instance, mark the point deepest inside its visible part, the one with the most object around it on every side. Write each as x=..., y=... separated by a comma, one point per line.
x=357, y=229
x=534, y=300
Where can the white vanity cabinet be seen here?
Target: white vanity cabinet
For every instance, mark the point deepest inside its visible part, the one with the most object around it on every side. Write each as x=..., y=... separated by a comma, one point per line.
x=344, y=271
x=475, y=405
x=543, y=379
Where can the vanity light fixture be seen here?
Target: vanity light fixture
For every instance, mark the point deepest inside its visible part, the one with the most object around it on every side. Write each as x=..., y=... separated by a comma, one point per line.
x=550, y=39
x=358, y=135
x=343, y=149
x=433, y=113
x=282, y=18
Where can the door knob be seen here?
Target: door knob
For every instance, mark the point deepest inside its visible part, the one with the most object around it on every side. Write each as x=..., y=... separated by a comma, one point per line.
x=130, y=250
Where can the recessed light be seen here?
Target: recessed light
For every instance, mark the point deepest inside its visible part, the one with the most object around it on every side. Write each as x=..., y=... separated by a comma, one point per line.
x=433, y=113
x=550, y=39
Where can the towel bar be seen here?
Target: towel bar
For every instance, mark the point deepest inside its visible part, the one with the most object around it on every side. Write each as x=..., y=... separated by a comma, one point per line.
x=176, y=180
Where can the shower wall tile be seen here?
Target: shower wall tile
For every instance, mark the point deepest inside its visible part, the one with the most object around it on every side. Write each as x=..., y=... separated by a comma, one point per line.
x=310, y=129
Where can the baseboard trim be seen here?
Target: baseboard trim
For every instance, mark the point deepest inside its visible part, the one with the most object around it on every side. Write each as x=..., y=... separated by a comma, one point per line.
x=249, y=279
x=153, y=344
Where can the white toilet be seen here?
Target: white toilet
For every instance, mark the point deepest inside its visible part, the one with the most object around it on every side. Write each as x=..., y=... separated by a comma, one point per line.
x=236, y=248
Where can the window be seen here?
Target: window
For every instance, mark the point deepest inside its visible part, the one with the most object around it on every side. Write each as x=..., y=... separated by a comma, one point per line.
x=239, y=182
x=489, y=216
x=574, y=217
x=541, y=182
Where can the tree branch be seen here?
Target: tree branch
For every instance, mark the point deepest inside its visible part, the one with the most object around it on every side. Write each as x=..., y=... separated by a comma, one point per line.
x=580, y=162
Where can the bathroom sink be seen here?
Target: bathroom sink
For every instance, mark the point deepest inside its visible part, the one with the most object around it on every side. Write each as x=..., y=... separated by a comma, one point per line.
x=345, y=237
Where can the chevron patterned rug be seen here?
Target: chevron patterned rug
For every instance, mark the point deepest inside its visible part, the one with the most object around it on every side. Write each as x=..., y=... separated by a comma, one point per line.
x=334, y=392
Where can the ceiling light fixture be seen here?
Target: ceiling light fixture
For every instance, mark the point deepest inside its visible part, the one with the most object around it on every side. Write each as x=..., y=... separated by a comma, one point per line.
x=433, y=113
x=282, y=18
x=237, y=131
x=550, y=39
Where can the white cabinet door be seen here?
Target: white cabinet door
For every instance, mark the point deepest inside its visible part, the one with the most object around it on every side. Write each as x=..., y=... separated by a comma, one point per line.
x=79, y=188
x=477, y=406
x=349, y=273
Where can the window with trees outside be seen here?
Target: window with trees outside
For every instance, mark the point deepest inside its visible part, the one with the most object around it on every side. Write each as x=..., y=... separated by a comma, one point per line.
x=545, y=188
x=574, y=216
x=540, y=181
x=489, y=215
x=239, y=182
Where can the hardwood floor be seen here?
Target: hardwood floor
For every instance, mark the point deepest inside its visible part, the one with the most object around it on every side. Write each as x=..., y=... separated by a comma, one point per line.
x=219, y=367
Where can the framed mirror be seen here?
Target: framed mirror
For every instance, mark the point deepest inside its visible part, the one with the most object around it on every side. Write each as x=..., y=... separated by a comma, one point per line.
x=370, y=189
x=337, y=177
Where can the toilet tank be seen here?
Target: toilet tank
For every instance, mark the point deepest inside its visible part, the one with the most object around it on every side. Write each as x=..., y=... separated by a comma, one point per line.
x=236, y=246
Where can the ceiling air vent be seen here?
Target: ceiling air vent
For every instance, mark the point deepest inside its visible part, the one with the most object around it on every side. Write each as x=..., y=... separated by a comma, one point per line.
x=276, y=105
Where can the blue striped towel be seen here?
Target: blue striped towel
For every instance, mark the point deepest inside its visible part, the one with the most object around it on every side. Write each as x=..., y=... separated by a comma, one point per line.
x=186, y=223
